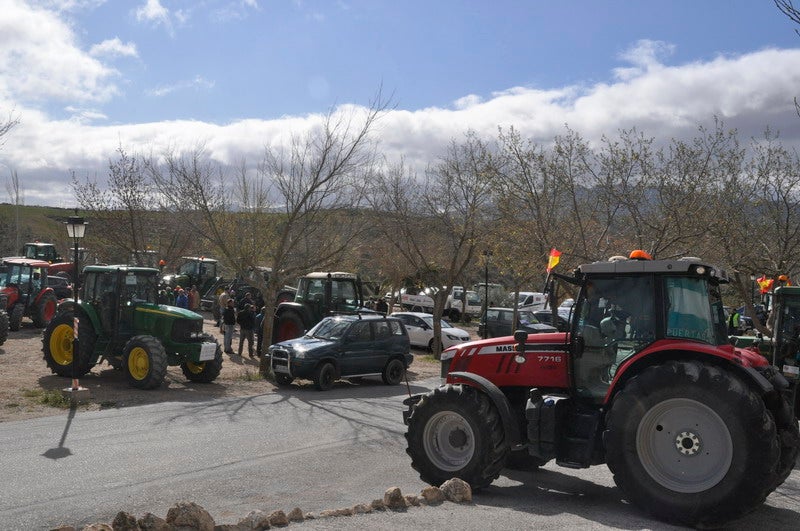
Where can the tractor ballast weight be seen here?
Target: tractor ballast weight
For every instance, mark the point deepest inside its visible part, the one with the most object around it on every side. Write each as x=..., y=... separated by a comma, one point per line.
x=318, y=295
x=694, y=430
x=121, y=322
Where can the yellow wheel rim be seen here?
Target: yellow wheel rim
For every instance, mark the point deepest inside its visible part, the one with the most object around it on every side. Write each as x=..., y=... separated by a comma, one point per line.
x=138, y=363
x=195, y=368
x=61, y=344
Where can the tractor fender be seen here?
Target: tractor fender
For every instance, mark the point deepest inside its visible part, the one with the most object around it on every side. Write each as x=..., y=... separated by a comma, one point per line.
x=41, y=293
x=510, y=426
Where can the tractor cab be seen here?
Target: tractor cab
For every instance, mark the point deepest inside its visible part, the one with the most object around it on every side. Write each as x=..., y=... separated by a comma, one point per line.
x=624, y=306
x=26, y=293
x=115, y=293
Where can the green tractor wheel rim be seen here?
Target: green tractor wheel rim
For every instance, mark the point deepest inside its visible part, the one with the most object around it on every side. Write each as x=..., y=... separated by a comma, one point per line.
x=138, y=363
x=61, y=344
x=195, y=368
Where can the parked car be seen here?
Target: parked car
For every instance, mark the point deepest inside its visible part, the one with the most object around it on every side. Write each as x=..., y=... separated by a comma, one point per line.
x=344, y=346
x=498, y=323
x=420, y=330
x=546, y=317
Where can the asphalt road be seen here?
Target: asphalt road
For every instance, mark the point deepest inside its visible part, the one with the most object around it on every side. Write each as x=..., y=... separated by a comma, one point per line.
x=291, y=448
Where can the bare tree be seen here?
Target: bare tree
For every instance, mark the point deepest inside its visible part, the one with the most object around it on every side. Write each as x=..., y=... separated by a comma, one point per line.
x=297, y=211
x=7, y=125
x=437, y=225
x=17, y=195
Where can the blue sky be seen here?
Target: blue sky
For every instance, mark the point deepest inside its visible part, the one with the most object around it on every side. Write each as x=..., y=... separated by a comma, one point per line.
x=85, y=76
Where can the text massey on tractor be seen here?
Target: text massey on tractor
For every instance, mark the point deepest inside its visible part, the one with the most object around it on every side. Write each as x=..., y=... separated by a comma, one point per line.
x=694, y=430
x=23, y=284
x=318, y=295
x=121, y=322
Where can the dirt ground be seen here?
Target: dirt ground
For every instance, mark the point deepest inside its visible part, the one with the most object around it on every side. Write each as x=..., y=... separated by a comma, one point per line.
x=28, y=389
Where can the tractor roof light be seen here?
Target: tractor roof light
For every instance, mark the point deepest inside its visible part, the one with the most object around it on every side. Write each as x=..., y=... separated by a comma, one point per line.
x=639, y=254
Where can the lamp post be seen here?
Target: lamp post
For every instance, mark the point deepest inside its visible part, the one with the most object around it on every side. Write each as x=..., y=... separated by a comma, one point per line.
x=487, y=254
x=76, y=228
x=753, y=288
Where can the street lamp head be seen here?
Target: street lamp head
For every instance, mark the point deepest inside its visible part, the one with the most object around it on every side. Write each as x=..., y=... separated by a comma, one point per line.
x=752, y=277
x=76, y=227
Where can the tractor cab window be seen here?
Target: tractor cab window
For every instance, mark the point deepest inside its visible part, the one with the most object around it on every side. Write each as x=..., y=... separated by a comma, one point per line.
x=141, y=288
x=343, y=292
x=616, y=319
x=689, y=314
x=188, y=268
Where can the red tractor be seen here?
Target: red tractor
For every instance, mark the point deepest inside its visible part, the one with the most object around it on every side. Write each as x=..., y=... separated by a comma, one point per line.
x=23, y=285
x=694, y=430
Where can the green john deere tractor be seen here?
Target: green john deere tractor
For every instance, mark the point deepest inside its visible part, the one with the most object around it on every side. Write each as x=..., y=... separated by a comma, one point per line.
x=121, y=322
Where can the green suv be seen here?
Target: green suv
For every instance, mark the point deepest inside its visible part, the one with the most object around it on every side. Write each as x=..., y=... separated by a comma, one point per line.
x=120, y=321
x=344, y=346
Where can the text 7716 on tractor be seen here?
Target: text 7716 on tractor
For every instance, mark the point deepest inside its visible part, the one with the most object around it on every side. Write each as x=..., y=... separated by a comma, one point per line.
x=694, y=430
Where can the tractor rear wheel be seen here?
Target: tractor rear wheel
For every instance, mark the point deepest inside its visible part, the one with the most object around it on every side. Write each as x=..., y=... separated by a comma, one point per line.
x=456, y=431
x=15, y=317
x=289, y=326
x=691, y=443
x=3, y=326
x=204, y=371
x=45, y=309
x=58, y=345
x=145, y=361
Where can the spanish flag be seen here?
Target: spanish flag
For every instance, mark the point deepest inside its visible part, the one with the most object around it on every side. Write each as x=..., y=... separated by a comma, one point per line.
x=764, y=283
x=555, y=257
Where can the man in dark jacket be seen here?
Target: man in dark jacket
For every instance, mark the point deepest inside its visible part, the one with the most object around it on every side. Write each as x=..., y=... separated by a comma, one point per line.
x=247, y=322
x=229, y=325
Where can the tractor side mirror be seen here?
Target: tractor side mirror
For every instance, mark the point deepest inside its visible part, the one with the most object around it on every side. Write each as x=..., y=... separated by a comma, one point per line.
x=578, y=344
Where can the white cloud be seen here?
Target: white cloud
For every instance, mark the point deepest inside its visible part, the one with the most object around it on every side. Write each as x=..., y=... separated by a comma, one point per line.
x=40, y=59
x=114, y=48
x=153, y=12
x=748, y=92
x=197, y=83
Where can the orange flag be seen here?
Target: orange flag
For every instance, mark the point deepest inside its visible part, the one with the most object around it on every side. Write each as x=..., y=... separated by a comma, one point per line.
x=764, y=283
x=555, y=257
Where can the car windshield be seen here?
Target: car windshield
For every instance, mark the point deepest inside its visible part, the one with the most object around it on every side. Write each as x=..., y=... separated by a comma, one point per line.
x=329, y=329
x=527, y=318
x=429, y=321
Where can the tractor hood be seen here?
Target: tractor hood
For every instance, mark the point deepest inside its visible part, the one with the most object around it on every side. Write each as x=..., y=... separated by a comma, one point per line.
x=168, y=311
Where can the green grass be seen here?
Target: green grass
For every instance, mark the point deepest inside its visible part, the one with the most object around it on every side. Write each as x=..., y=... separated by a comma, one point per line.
x=47, y=397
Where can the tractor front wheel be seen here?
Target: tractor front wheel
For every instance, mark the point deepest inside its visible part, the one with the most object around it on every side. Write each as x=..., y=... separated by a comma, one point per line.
x=15, y=317
x=145, y=361
x=45, y=309
x=456, y=431
x=691, y=443
x=204, y=371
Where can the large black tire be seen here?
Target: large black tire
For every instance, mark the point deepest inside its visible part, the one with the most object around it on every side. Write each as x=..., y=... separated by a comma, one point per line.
x=393, y=372
x=58, y=342
x=204, y=371
x=3, y=326
x=145, y=362
x=456, y=431
x=691, y=443
x=15, y=317
x=283, y=379
x=324, y=376
x=788, y=439
x=45, y=309
x=288, y=326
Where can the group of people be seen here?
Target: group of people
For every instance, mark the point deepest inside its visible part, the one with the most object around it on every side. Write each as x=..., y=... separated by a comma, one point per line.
x=182, y=298
x=250, y=323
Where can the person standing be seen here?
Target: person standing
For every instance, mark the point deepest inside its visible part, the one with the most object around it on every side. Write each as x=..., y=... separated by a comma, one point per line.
x=194, y=299
x=223, y=299
x=247, y=322
x=182, y=300
x=229, y=325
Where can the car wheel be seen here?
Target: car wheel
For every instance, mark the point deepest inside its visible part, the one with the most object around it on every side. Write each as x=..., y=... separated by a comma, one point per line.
x=324, y=376
x=393, y=372
x=283, y=379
